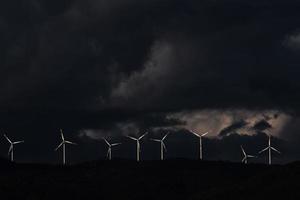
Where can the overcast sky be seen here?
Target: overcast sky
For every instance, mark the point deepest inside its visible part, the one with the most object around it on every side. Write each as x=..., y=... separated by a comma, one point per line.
x=112, y=68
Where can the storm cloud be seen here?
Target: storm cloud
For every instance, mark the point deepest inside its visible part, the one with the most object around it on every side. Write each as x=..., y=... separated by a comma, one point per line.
x=98, y=68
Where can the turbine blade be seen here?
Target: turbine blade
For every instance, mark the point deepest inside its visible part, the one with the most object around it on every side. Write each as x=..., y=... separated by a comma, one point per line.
x=115, y=144
x=106, y=142
x=204, y=134
x=10, y=149
x=8, y=139
x=109, y=149
x=165, y=136
x=194, y=133
x=131, y=137
x=250, y=156
x=68, y=142
x=62, y=135
x=59, y=146
x=275, y=150
x=244, y=159
x=18, y=142
x=265, y=149
x=164, y=146
x=155, y=140
x=143, y=135
x=243, y=151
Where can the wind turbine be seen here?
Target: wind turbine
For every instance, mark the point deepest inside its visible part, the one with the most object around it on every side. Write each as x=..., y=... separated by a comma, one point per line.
x=63, y=144
x=138, y=145
x=270, y=148
x=162, y=146
x=200, y=142
x=246, y=156
x=11, y=147
x=109, y=147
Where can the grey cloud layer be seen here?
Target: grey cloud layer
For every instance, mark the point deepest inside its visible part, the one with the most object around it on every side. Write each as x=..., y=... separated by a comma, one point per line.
x=95, y=54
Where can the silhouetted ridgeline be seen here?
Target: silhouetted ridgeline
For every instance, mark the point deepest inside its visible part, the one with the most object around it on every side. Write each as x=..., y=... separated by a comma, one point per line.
x=171, y=179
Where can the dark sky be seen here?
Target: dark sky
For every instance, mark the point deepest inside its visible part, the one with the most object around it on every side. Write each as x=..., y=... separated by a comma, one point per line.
x=116, y=67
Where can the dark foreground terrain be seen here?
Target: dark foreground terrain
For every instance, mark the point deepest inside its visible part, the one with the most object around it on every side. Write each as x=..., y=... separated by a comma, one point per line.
x=180, y=179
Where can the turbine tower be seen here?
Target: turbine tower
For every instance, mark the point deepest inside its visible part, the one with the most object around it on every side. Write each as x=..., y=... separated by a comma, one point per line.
x=162, y=146
x=246, y=156
x=11, y=147
x=63, y=145
x=200, y=143
x=109, y=147
x=138, y=145
x=270, y=148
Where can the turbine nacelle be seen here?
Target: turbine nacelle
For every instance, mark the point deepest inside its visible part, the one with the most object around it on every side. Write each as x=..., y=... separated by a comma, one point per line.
x=64, y=142
x=161, y=141
x=269, y=148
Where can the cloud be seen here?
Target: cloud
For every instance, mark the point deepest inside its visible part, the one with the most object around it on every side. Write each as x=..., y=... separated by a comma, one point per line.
x=232, y=128
x=262, y=125
x=293, y=41
x=120, y=129
x=154, y=77
x=225, y=122
x=100, y=55
x=127, y=66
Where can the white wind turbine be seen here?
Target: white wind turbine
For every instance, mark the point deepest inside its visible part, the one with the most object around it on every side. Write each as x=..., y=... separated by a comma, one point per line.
x=270, y=148
x=200, y=142
x=162, y=145
x=11, y=147
x=63, y=144
x=246, y=156
x=109, y=147
x=138, y=145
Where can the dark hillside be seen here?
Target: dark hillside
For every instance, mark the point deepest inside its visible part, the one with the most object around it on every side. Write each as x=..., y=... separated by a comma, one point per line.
x=176, y=179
